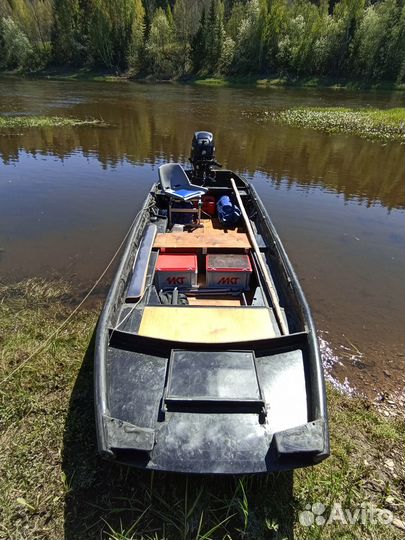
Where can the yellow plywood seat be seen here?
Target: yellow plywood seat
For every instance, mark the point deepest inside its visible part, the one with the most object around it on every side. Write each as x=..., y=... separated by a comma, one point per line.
x=207, y=324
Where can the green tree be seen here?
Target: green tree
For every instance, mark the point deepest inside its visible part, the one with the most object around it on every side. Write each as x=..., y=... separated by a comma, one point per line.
x=234, y=21
x=214, y=36
x=136, y=44
x=112, y=27
x=347, y=16
x=185, y=14
x=301, y=36
x=159, y=45
x=35, y=19
x=199, y=45
x=247, y=26
x=275, y=27
x=70, y=32
x=380, y=42
x=16, y=47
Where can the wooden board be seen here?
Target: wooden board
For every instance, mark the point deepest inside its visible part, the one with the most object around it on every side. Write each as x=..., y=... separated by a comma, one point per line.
x=217, y=301
x=210, y=235
x=206, y=324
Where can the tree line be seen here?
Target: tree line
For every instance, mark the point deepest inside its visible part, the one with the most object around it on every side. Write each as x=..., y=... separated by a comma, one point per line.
x=355, y=39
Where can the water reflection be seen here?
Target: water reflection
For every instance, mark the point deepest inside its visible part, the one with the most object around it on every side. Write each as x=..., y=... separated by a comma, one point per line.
x=153, y=124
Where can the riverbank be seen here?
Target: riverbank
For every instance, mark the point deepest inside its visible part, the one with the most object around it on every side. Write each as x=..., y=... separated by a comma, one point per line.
x=269, y=81
x=280, y=81
x=53, y=485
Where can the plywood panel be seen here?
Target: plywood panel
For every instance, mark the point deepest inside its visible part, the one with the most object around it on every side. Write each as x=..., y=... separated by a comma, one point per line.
x=210, y=235
x=217, y=301
x=206, y=324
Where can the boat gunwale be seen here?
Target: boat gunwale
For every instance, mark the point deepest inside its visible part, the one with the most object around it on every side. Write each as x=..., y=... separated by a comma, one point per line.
x=320, y=411
x=102, y=335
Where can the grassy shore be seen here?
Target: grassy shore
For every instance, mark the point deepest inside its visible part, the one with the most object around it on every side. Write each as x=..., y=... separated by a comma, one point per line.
x=68, y=74
x=270, y=81
x=373, y=124
x=54, y=486
x=27, y=121
x=279, y=81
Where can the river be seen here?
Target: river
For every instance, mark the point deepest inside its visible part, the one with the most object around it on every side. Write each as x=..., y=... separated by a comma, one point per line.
x=68, y=195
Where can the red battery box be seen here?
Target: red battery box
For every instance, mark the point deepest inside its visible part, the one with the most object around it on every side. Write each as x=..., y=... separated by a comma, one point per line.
x=176, y=270
x=228, y=271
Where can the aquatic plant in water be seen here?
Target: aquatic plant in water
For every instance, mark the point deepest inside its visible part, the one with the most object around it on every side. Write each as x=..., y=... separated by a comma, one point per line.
x=10, y=122
x=387, y=125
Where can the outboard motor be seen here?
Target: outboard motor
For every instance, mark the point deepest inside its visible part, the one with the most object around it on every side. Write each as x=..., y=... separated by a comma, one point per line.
x=203, y=155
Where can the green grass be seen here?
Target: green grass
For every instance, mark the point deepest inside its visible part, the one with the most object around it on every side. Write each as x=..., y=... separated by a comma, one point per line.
x=282, y=81
x=242, y=80
x=327, y=82
x=11, y=122
x=379, y=124
x=53, y=485
x=213, y=81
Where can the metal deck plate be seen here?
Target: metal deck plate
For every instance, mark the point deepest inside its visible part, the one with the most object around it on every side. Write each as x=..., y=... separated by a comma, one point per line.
x=210, y=376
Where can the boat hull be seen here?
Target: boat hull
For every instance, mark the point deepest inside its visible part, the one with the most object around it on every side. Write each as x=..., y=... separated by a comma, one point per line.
x=271, y=416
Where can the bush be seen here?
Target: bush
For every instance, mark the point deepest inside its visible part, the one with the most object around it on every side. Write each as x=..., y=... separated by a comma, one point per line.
x=17, y=49
x=380, y=41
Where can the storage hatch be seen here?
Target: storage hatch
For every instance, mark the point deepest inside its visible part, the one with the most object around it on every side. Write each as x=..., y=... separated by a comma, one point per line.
x=213, y=382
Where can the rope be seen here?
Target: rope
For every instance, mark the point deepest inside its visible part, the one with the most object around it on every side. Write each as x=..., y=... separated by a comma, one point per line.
x=43, y=346
x=129, y=313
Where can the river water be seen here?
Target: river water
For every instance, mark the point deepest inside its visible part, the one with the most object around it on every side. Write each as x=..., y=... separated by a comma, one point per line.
x=68, y=195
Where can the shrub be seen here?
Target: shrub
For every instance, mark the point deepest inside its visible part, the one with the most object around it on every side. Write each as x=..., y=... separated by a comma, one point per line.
x=17, y=49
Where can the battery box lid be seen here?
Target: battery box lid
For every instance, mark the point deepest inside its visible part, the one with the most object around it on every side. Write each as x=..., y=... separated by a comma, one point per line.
x=228, y=263
x=177, y=262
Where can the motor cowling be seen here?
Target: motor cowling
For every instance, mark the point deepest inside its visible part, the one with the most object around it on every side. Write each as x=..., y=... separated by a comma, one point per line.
x=202, y=156
x=202, y=147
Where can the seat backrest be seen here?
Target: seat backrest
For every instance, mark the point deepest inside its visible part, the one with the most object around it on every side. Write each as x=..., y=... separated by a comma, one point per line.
x=172, y=176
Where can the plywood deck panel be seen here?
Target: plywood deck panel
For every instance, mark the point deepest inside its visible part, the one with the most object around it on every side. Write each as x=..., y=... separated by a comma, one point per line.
x=206, y=324
x=211, y=235
x=221, y=301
